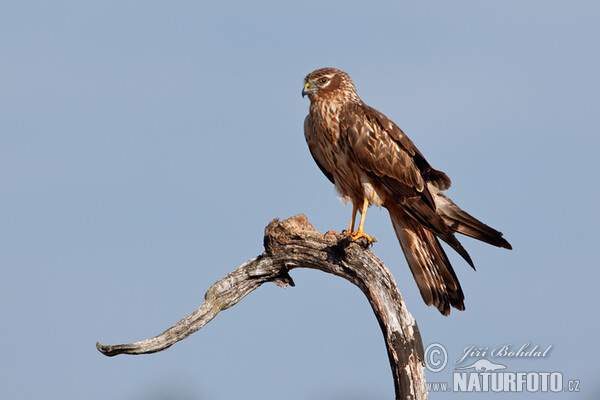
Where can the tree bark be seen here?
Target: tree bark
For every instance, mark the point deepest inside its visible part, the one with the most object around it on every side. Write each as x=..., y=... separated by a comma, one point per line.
x=294, y=243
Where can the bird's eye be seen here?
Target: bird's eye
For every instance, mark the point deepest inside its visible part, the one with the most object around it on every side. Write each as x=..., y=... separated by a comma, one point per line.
x=323, y=80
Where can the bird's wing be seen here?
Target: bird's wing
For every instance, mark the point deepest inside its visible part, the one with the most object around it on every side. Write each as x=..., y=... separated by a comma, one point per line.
x=315, y=150
x=390, y=158
x=386, y=150
x=463, y=222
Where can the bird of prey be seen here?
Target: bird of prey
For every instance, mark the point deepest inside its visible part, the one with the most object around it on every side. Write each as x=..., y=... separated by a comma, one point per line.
x=371, y=161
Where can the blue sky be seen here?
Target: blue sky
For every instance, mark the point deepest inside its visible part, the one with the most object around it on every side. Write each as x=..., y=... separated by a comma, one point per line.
x=144, y=147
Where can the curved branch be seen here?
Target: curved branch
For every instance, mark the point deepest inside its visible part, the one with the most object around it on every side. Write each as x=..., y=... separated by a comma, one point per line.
x=294, y=243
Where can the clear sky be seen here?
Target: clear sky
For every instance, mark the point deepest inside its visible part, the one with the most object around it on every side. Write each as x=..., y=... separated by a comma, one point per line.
x=144, y=147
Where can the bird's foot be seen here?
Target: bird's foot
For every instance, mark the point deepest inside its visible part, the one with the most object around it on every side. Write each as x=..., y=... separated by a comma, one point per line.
x=333, y=233
x=360, y=234
x=345, y=232
x=354, y=236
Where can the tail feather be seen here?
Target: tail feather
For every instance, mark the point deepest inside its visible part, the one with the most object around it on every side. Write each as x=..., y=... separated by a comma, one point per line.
x=462, y=222
x=432, y=221
x=428, y=262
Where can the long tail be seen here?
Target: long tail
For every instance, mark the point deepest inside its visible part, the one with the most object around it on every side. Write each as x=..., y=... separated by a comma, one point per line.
x=462, y=222
x=428, y=262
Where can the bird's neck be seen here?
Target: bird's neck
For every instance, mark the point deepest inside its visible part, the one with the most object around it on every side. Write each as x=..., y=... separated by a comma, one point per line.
x=331, y=105
x=326, y=113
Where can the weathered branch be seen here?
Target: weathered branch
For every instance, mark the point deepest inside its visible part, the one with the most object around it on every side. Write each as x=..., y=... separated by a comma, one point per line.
x=294, y=243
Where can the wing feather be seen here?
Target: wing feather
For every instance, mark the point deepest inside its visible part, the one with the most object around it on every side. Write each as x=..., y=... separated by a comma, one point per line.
x=383, y=148
x=461, y=221
x=379, y=121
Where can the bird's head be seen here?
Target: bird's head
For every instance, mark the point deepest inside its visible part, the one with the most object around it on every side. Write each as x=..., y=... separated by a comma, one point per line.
x=329, y=83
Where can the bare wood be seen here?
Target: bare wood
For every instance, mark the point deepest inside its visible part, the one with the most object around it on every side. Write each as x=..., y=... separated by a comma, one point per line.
x=294, y=243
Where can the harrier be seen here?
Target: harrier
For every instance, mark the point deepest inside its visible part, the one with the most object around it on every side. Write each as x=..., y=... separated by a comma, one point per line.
x=371, y=161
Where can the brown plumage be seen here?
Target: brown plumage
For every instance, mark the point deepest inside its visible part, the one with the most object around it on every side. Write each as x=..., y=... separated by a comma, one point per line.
x=371, y=161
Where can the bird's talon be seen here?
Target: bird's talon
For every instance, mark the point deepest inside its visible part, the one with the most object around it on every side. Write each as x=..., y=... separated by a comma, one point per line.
x=360, y=234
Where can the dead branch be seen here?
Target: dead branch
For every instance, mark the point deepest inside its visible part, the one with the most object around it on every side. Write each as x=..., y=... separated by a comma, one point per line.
x=294, y=243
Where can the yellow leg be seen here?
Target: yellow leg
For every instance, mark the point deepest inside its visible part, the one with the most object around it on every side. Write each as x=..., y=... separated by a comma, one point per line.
x=363, y=214
x=353, y=220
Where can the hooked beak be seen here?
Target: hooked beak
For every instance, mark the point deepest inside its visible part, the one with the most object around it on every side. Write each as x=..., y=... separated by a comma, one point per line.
x=306, y=90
